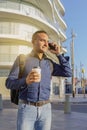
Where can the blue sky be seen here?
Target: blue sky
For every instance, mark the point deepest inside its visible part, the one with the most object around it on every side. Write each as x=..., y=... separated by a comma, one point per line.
x=76, y=19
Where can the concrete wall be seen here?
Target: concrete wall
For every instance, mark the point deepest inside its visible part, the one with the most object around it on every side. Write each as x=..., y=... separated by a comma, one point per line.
x=3, y=90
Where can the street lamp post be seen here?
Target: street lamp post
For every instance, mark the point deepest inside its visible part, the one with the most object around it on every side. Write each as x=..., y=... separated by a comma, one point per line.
x=72, y=62
x=83, y=81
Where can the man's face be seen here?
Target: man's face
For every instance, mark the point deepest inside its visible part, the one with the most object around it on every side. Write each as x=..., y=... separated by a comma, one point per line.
x=40, y=44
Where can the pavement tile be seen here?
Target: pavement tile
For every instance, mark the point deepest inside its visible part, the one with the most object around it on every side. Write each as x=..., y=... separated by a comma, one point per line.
x=73, y=121
x=60, y=121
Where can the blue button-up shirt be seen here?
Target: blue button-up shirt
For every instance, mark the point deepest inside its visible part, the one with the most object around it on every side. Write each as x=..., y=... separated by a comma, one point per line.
x=40, y=90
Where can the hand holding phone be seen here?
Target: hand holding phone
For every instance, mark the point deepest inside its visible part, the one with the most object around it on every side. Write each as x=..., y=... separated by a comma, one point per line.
x=54, y=48
x=51, y=46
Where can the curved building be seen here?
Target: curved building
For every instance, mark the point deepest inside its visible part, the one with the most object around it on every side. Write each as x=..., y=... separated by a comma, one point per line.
x=19, y=19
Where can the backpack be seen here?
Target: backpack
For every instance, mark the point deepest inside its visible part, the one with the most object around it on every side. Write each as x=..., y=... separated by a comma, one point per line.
x=14, y=94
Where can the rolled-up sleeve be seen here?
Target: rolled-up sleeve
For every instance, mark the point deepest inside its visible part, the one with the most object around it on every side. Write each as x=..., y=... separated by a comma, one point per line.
x=63, y=69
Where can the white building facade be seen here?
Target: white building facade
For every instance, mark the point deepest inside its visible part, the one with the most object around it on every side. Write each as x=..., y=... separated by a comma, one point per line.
x=19, y=19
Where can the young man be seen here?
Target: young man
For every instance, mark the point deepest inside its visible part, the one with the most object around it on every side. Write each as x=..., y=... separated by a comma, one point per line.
x=34, y=111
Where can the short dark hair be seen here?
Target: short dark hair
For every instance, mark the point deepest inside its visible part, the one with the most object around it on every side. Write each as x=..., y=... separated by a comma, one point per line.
x=37, y=32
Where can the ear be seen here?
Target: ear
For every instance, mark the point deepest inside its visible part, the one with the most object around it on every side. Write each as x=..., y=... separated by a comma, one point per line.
x=33, y=41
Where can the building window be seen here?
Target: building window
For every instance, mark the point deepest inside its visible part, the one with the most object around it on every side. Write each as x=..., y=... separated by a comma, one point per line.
x=55, y=89
x=4, y=72
x=8, y=53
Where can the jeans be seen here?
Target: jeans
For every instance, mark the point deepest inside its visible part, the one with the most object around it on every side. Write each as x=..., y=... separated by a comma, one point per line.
x=34, y=118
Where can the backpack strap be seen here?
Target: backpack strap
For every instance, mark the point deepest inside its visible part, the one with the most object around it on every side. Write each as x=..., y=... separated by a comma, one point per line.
x=15, y=93
x=22, y=58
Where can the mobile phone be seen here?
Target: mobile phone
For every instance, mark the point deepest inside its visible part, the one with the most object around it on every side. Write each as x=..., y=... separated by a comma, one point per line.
x=51, y=46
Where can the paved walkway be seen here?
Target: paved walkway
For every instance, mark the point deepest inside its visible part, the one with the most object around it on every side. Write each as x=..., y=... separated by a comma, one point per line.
x=60, y=120
x=77, y=99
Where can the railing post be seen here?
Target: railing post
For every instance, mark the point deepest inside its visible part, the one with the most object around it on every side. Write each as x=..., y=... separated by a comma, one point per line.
x=1, y=104
x=67, y=104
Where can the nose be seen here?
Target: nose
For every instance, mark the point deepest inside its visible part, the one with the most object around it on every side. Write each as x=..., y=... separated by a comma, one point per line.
x=46, y=42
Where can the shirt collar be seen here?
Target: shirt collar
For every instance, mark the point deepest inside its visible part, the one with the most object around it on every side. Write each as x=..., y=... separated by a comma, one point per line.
x=33, y=54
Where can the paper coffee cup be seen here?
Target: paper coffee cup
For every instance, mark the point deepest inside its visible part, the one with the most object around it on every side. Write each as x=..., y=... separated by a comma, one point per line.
x=38, y=70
